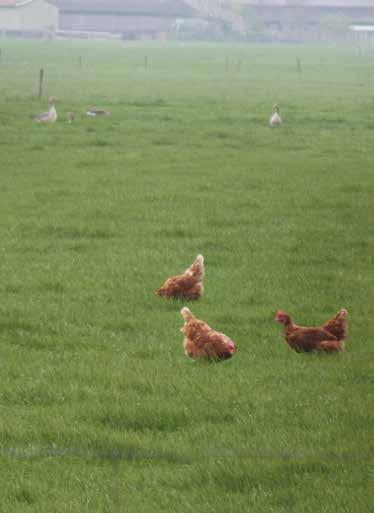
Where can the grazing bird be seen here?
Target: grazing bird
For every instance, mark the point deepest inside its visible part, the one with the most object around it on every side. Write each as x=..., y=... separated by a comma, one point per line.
x=96, y=111
x=202, y=342
x=302, y=339
x=51, y=115
x=71, y=117
x=187, y=285
x=275, y=119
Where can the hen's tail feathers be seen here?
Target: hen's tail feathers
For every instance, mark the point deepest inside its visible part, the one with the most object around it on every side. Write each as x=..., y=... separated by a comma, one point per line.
x=186, y=314
x=343, y=312
x=199, y=260
x=341, y=315
x=196, y=269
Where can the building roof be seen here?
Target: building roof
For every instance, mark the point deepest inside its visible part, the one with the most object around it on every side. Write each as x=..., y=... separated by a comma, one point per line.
x=140, y=7
x=14, y=3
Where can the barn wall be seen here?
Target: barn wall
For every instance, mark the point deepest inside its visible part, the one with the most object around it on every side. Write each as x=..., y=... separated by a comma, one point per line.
x=115, y=23
x=10, y=19
x=38, y=15
x=313, y=14
x=306, y=23
x=163, y=8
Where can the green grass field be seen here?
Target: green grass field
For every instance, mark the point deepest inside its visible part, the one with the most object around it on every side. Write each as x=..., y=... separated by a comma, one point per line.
x=100, y=410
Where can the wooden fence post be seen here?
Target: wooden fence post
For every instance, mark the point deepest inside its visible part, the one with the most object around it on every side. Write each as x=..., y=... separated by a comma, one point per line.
x=41, y=78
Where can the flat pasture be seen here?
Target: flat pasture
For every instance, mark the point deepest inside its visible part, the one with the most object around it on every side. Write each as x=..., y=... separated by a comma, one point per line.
x=100, y=410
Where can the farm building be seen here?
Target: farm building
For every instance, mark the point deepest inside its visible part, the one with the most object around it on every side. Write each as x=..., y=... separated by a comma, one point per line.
x=253, y=19
x=306, y=19
x=133, y=19
x=28, y=17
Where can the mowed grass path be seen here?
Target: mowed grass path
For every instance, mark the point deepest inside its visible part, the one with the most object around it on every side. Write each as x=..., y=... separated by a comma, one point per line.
x=100, y=411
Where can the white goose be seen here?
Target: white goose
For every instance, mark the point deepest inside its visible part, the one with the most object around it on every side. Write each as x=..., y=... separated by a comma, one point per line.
x=275, y=119
x=51, y=115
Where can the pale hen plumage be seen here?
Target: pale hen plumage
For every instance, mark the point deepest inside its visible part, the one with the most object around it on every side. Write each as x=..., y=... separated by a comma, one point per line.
x=187, y=285
x=202, y=342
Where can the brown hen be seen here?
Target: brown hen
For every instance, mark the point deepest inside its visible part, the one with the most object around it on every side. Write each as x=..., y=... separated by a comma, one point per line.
x=202, y=342
x=302, y=339
x=187, y=285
